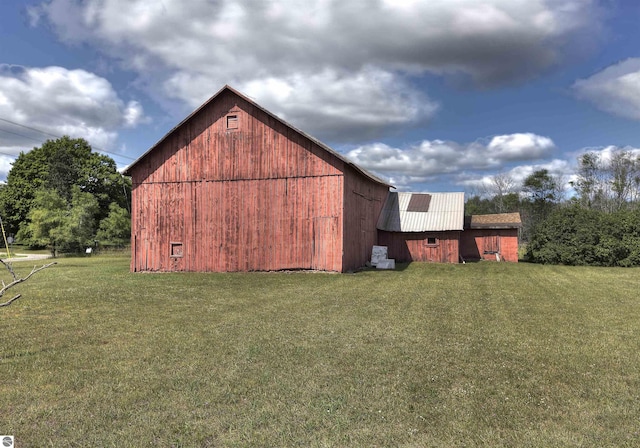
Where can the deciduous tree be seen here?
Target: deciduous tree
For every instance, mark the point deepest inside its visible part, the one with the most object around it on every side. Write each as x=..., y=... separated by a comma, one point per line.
x=115, y=229
x=54, y=223
x=608, y=184
x=59, y=165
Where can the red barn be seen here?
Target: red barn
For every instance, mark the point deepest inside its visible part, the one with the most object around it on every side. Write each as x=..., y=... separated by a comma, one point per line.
x=491, y=237
x=235, y=188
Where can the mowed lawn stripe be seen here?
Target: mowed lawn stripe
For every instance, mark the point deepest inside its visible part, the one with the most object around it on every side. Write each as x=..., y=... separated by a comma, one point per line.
x=481, y=354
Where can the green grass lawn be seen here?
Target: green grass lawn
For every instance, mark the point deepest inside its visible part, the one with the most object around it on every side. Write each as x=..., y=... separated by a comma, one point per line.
x=485, y=354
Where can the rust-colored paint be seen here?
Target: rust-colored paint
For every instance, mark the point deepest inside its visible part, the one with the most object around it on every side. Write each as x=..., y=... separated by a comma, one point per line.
x=476, y=244
x=240, y=225
x=248, y=193
x=363, y=201
x=416, y=246
x=259, y=148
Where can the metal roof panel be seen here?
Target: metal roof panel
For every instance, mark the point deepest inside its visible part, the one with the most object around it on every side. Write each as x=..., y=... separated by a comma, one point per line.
x=446, y=212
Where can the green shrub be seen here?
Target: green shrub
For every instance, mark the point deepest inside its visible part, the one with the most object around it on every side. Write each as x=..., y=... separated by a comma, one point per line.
x=580, y=236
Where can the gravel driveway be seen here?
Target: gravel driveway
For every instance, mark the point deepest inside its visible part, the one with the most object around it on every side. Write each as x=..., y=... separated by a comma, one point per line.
x=26, y=257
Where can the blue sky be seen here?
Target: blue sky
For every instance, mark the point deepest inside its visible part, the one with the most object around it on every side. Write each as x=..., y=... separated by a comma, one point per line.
x=435, y=95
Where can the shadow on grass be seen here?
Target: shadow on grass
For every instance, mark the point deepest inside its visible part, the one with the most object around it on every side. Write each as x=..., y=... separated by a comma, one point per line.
x=399, y=268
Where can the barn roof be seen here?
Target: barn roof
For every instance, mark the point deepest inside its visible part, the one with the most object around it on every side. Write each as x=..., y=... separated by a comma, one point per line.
x=227, y=88
x=422, y=212
x=495, y=221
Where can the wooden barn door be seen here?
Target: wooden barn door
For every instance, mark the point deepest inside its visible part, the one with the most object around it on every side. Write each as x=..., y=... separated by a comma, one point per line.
x=134, y=254
x=324, y=243
x=491, y=244
x=140, y=253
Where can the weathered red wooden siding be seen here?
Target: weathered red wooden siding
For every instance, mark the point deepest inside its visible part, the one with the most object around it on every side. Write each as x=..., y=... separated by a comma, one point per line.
x=409, y=246
x=473, y=244
x=261, y=197
x=268, y=228
x=363, y=201
x=261, y=148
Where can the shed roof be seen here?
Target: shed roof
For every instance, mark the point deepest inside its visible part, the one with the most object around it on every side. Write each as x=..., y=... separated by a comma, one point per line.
x=227, y=88
x=495, y=221
x=438, y=212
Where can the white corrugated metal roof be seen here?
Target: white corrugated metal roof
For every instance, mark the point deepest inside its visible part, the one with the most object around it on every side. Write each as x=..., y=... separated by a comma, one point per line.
x=446, y=212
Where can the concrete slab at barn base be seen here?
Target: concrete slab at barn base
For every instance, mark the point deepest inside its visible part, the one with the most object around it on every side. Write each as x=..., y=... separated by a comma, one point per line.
x=386, y=264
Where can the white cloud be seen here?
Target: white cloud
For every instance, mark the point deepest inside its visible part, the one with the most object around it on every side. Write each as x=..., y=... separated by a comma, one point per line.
x=556, y=167
x=355, y=105
x=615, y=90
x=432, y=159
x=478, y=183
x=519, y=147
x=59, y=101
x=337, y=56
x=133, y=114
x=605, y=153
x=334, y=105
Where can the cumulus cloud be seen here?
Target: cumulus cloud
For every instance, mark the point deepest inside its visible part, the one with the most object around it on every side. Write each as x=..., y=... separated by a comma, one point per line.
x=59, y=101
x=332, y=105
x=563, y=169
x=519, y=147
x=606, y=153
x=615, y=90
x=478, y=182
x=319, y=58
x=431, y=160
x=359, y=105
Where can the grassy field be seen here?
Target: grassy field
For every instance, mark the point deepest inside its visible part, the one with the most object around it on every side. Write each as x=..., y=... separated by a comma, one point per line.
x=482, y=354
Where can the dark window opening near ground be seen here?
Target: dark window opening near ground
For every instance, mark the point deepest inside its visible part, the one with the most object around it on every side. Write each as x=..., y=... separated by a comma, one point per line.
x=176, y=250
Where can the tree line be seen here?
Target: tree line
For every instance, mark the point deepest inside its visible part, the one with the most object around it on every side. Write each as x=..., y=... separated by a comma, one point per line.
x=599, y=224
x=64, y=196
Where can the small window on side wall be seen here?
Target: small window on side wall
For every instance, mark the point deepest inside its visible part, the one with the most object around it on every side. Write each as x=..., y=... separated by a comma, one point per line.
x=232, y=122
x=432, y=241
x=176, y=250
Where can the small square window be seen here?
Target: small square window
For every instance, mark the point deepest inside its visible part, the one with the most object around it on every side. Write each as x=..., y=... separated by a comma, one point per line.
x=232, y=121
x=432, y=241
x=176, y=250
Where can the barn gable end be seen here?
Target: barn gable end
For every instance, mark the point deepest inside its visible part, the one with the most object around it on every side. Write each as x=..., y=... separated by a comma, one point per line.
x=235, y=188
